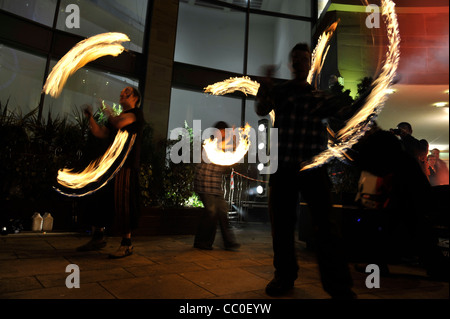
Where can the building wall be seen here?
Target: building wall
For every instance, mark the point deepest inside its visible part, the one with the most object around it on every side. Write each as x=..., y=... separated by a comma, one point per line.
x=158, y=79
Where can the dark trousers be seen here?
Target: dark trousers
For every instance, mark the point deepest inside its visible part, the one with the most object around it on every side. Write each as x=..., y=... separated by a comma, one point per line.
x=216, y=211
x=126, y=201
x=315, y=188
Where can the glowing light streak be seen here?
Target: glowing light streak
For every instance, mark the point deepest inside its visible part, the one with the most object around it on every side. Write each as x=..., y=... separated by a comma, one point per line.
x=226, y=158
x=320, y=52
x=362, y=121
x=243, y=84
x=96, y=169
x=82, y=53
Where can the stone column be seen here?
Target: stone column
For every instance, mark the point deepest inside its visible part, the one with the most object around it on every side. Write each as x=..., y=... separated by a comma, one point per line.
x=158, y=81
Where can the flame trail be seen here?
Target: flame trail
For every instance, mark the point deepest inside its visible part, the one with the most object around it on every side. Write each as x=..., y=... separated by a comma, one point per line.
x=362, y=121
x=220, y=157
x=243, y=84
x=320, y=52
x=96, y=169
x=82, y=53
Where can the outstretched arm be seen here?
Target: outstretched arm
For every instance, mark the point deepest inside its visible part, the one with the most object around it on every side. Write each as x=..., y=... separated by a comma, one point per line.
x=264, y=101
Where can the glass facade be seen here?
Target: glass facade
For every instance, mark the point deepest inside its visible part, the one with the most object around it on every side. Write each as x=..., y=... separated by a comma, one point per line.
x=128, y=17
x=233, y=38
x=82, y=18
x=19, y=70
x=210, y=37
x=41, y=11
x=188, y=106
x=238, y=37
x=270, y=40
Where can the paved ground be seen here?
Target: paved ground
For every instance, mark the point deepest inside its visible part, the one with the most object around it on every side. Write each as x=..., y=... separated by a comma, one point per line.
x=33, y=266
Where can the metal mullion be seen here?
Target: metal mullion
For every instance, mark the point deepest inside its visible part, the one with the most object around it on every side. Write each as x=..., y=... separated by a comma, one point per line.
x=49, y=58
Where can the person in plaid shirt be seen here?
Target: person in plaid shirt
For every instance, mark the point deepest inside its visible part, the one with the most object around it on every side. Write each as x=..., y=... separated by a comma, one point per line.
x=300, y=114
x=208, y=185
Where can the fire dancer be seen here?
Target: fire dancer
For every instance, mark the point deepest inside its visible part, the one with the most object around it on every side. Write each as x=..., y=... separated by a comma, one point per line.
x=126, y=182
x=208, y=185
x=300, y=112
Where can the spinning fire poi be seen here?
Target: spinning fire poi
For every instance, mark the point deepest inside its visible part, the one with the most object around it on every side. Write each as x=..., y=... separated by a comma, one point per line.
x=220, y=155
x=98, y=173
x=363, y=120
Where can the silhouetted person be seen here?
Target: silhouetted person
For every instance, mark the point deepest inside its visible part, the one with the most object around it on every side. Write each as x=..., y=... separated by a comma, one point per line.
x=410, y=202
x=418, y=149
x=442, y=175
x=299, y=115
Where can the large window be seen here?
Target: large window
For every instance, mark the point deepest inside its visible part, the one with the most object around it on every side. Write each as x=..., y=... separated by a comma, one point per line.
x=21, y=76
x=219, y=39
x=24, y=63
x=41, y=11
x=212, y=37
x=270, y=41
x=128, y=17
x=188, y=106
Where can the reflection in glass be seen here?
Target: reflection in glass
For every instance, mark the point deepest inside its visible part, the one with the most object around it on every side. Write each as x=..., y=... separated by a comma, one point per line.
x=100, y=16
x=19, y=71
x=211, y=37
x=270, y=41
x=86, y=86
x=41, y=11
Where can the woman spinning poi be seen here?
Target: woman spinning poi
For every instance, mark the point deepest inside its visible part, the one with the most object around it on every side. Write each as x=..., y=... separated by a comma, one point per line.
x=121, y=159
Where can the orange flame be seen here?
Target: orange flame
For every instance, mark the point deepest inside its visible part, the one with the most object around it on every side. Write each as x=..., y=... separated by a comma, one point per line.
x=84, y=52
x=96, y=169
x=219, y=156
x=320, y=52
x=243, y=84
